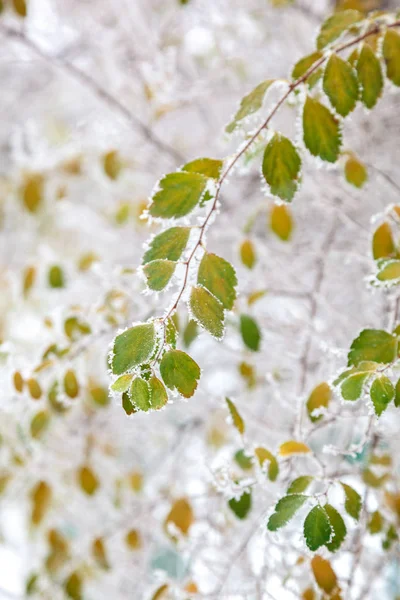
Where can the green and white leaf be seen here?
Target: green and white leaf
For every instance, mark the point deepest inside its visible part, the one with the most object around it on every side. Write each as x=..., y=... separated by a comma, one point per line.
x=353, y=502
x=389, y=271
x=158, y=393
x=281, y=167
x=132, y=348
x=285, y=510
x=391, y=55
x=235, y=416
x=218, y=276
x=208, y=167
x=338, y=526
x=340, y=85
x=317, y=528
x=168, y=245
x=336, y=25
x=304, y=64
x=373, y=345
x=158, y=274
x=178, y=195
x=382, y=393
x=140, y=394
x=370, y=76
x=207, y=311
x=242, y=506
x=250, y=104
x=300, y=484
x=180, y=372
x=322, y=136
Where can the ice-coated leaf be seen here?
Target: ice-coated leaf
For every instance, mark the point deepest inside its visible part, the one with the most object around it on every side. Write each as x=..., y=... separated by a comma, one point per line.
x=281, y=222
x=178, y=195
x=248, y=254
x=171, y=332
x=397, y=394
x=263, y=454
x=235, y=415
x=355, y=172
x=158, y=393
x=391, y=55
x=208, y=311
x=338, y=526
x=181, y=515
x=122, y=384
x=243, y=460
x=219, y=277
x=300, y=484
x=352, y=387
x=208, y=167
x=317, y=528
x=373, y=345
x=250, y=332
x=250, y=104
x=158, y=273
x=321, y=131
x=382, y=242
x=370, y=76
x=127, y=404
x=168, y=245
x=179, y=371
x=293, y=447
x=281, y=167
x=336, y=25
x=389, y=270
x=340, y=85
x=324, y=575
x=319, y=398
x=140, y=394
x=242, y=506
x=133, y=347
x=285, y=510
x=302, y=66
x=190, y=332
x=353, y=501
x=382, y=393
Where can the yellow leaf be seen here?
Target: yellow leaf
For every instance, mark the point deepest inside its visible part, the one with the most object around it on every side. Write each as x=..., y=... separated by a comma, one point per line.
x=281, y=221
x=160, y=592
x=99, y=553
x=355, y=172
x=28, y=279
x=87, y=480
x=181, y=516
x=136, y=481
x=293, y=447
x=20, y=7
x=382, y=242
x=236, y=418
x=112, y=164
x=324, y=575
x=254, y=296
x=248, y=254
x=34, y=388
x=40, y=498
x=319, y=398
x=133, y=539
x=308, y=594
x=191, y=588
x=18, y=381
x=32, y=192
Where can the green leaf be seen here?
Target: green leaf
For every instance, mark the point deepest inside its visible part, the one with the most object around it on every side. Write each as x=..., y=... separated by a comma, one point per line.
x=336, y=25
x=179, y=194
x=236, y=418
x=179, y=371
x=353, y=502
x=168, y=245
x=250, y=104
x=317, y=528
x=133, y=347
x=140, y=394
x=158, y=273
x=241, y=507
x=375, y=524
x=319, y=398
x=218, y=277
x=355, y=172
x=300, y=484
x=321, y=131
x=190, y=333
x=382, y=242
x=208, y=311
x=340, y=85
x=205, y=166
x=250, y=332
x=397, y=394
x=281, y=167
x=391, y=55
x=39, y=424
x=171, y=332
x=370, y=76
x=373, y=345
x=56, y=277
x=302, y=66
x=158, y=393
x=263, y=454
x=285, y=510
x=389, y=270
x=122, y=384
x=338, y=526
x=352, y=386
x=243, y=460
x=382, y=393
x=127, y=404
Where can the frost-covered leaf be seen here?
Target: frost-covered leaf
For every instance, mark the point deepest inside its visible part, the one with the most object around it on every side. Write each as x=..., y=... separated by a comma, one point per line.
x=388, y=270
x=353, y=502
x=352, y=387
x=373, y=345
x=324, y=575
x=208, y=167
x=171, y=332
x=158, y=273
x=336, y=25
x=382, y=242
x=133, y=347
x=190, y=332
x=321, y=131
x=208, y=311
x=293, y=447
x=158, y=393
x=245, y=462
x=338, y=526
x=262, y=455
x=242, y=506
x=319, y=398
x=281, y=222
x=219, y=277
x=355, y=172
x=281, y=167
x=397, y=394
x=391, y=55
x=140, y=394
x=178, y=195
x=127, y=404
x=300, y=484
x=340, y=85
x=122, y=384
x=235, y=415
x=285, y=510
x=181, y=515
x=302, y=66
x=168, y=245
x=250, y=332
x=250, y=104
x=248, y=254
x=179, y=371
x=317, y=528
x=382, y=393
x=370, y=76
